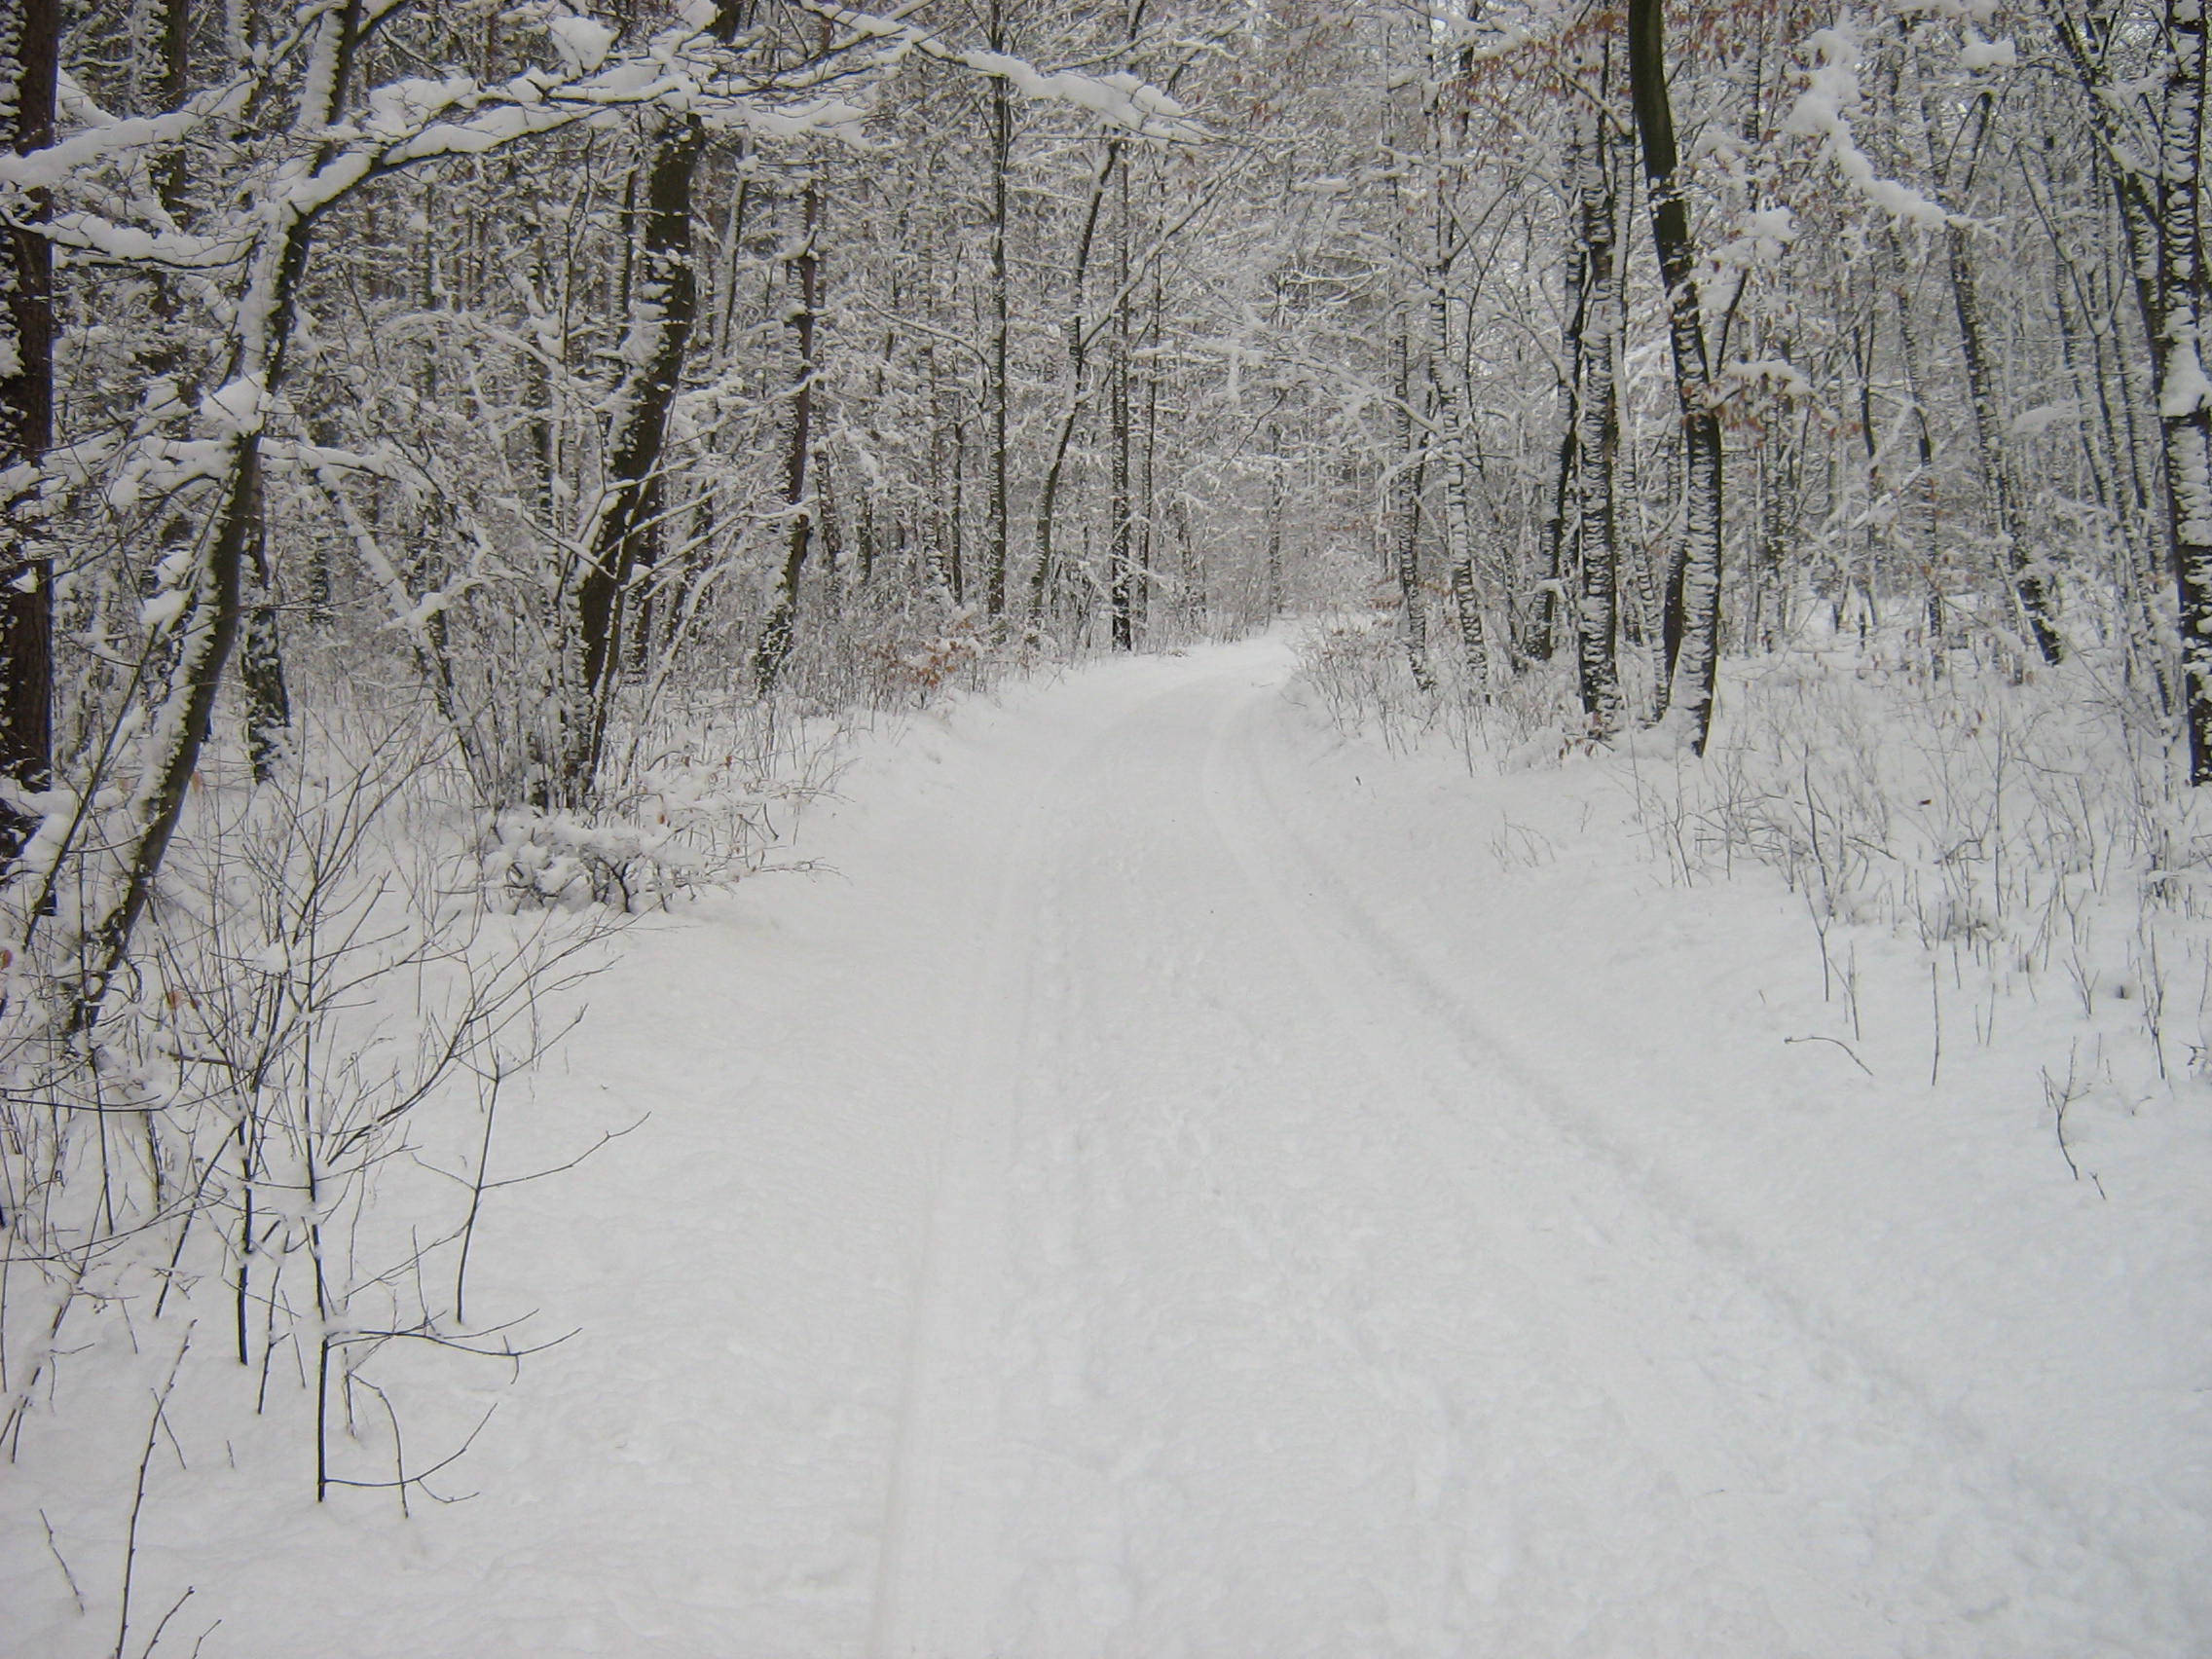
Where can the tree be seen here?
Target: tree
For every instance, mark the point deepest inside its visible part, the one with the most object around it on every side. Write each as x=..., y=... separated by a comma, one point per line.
x=1694, y=638
x=2151, y=126
x=30, y=38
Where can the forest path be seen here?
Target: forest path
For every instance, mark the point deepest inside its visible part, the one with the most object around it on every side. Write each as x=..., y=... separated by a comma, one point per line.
x=1181, y=1183
x=1274, y=1304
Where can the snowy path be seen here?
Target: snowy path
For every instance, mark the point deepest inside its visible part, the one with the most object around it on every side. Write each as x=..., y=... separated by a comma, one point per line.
x=1273, y=1306
x=1184, y=1189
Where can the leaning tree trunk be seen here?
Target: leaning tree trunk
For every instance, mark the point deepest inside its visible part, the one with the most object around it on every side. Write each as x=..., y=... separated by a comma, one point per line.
x=198, y=642
x=30, y=37
x=1413, y=467
x=1693, y=631
x=2030, y=591
x=663, y=305
x=664, y=297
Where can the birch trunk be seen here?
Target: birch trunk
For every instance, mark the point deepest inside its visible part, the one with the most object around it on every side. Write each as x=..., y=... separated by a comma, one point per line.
x=2157, y=188
x=2185, y=396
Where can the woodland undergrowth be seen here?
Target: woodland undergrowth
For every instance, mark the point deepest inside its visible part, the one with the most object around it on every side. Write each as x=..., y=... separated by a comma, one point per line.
x=2024, y=839
x=242, y=1191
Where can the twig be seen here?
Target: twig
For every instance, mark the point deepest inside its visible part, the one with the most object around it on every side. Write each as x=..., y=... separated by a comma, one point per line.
x=55, y=1548
x=1838, y=1041
x=1936, y=1013
x=138, y=1502
x=147, y=1651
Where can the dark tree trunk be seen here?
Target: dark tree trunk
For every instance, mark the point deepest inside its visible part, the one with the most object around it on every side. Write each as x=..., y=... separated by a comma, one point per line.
x=1451, y=409
x=1598, y=426
x=1413, y=469
x=1692, y=632
x=999, y=552
x=661, y=283
x=665, y=284
x=778, y=629
x=1542, y=639
x=29, y=57
x=2031, y=592
x=1120, y=578
x=1078, y=333
x=261, y=664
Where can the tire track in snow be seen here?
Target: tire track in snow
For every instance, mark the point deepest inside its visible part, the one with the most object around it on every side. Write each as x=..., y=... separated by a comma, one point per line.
x=935, y=1573
x=1941, y=1498
x=938, y=1567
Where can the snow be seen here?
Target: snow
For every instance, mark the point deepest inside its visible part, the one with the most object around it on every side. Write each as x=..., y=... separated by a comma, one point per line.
x=1120, y=98
x=1822, y=111
x=1976, y=53
x=2031, y=422
x=2186, y=389
x=1776, y=372
x=1193, y=1184
x=402, y=106
x=163, y=608
x=583, y=43
x=238, y=406
x=1772, y=224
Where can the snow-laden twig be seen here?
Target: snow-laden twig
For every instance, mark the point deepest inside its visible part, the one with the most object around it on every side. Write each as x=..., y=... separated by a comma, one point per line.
x=1822, y=112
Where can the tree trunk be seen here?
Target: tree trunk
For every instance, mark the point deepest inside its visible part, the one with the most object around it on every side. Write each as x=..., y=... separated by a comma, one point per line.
x=998, y=553
x=2185, y=396
x=1275, y=521
x=1693, y=634
x=2159, y=205
x=1119, y=577
x=1451, y=412
x=198, y=642
x=1542, y=639
x=1598, y=429
x=1079, y=391
x=261, y=664
x=30, y=38
x=1413, y=469
x=2030, y=591
x=777, y=630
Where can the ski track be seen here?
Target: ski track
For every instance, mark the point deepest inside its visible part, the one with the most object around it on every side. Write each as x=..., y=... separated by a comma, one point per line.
x=1271, y=1302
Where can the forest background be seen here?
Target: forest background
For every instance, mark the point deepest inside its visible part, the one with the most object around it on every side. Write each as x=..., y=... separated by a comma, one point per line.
x=458, y=459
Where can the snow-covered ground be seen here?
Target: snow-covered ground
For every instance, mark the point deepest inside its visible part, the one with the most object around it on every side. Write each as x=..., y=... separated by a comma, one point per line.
x=1186, y=1183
